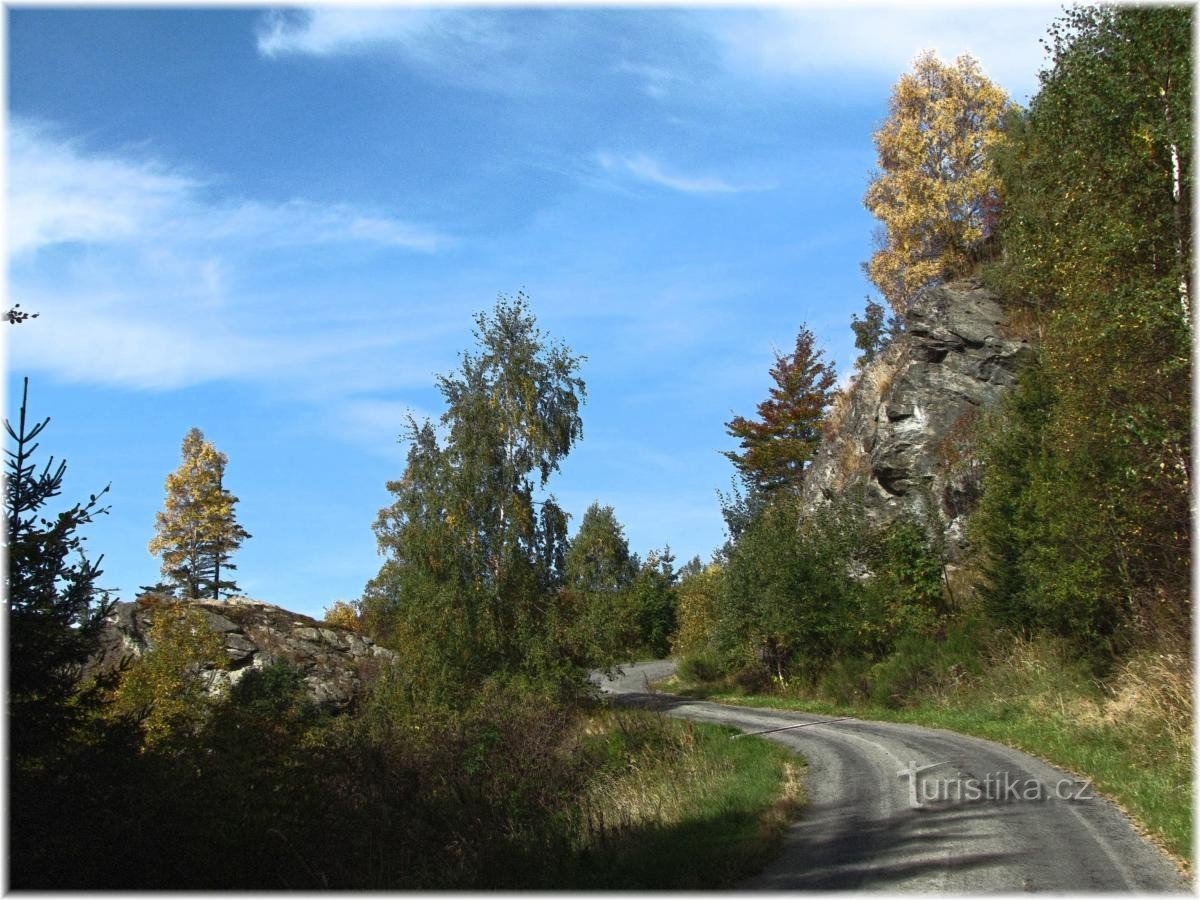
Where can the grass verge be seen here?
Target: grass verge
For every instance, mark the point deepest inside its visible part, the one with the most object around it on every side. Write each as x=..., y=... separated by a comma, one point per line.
x=678, y=805
x=1131, y=736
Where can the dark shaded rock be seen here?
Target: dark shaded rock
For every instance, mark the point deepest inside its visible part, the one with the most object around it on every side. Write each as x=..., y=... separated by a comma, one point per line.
x=903, y=438
x=336, y=663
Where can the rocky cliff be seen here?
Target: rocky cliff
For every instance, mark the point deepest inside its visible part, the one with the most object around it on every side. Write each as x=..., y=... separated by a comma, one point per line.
x=903, y=435
x=336, y=662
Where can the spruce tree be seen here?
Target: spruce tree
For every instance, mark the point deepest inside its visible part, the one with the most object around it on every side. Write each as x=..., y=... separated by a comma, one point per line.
x=55, y=609
x=777, y=448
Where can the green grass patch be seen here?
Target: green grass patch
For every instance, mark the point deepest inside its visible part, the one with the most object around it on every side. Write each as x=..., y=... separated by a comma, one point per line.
x=678, y=805
x=1132, y=738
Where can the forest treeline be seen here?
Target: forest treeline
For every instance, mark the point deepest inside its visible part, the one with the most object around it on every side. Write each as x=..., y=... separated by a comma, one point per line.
x=478, y=759
x=1077, y=211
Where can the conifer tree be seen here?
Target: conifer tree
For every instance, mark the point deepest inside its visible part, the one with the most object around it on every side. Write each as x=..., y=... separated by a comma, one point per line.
x=777, y=448
x=598, y=559
x=870, y=333
x=55, y=609
x=597, y=622
x=197, y=531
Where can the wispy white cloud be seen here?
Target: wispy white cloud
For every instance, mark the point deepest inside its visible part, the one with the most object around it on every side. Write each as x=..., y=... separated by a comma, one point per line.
x=884, y=40
x=495, y=49
x=59, y=194
x=151, y=328
x=646, y=168
x=139, y=272
x=300, y=222
x=481, y=49
x=332, y=30
x=87, y=342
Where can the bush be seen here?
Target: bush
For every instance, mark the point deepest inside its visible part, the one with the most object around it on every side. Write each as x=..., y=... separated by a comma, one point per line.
x=751, y=679
x=698, y=599
x=701, y=668
x=787, y=587
x=790, y=602
x=923, y=664
x=345, y=615
x=906, y=588
x=904, y=672
x=166, y=690
x=847, y=680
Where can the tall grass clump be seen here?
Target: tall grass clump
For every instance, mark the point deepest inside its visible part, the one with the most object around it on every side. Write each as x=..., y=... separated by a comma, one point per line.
x=677, y=805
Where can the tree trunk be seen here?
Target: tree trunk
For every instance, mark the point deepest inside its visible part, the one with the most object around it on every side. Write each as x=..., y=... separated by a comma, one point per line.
x=1178, y=206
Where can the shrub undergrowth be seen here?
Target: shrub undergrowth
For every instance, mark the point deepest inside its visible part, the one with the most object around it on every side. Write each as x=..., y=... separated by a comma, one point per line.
x=515, y=789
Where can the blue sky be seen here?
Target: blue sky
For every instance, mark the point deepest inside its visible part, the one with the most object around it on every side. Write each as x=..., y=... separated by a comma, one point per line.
x=276, y=226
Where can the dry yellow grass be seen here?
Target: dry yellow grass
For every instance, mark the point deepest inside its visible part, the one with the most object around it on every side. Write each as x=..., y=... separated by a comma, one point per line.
x=879, y=375
x=657, y=785
x=1154, y=689
x=791, y=800
x=1022, y=323
x=1150, y=693
x=642, y=792
x=678, y=805
x=838, y=413
x=853, y=459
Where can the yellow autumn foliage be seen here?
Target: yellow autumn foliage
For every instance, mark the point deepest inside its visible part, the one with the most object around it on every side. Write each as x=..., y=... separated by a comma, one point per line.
x=935, y=191
x=197, y=529
x=344, y=615
x=166, y=689
x=697, y=601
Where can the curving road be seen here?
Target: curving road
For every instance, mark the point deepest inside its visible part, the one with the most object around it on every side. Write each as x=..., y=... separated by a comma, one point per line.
x=984, y=817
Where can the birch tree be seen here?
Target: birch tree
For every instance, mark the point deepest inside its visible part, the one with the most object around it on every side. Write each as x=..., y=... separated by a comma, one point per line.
x=474, y=545
x=935, y=191
x=197, y=530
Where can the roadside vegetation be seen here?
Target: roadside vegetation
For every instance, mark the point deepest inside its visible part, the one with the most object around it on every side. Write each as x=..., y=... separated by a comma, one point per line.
x=1066, y=629
x=679, y=805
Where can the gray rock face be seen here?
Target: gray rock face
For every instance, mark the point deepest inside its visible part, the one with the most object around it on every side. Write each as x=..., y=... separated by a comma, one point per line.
x=903, y=437
x=336, y=663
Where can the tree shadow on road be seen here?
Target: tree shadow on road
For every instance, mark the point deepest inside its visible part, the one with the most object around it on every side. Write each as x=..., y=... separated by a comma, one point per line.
x=833, y=849
x=852, y=852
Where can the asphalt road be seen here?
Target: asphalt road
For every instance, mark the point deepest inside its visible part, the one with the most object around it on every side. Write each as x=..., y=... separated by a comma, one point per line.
x=984, y=818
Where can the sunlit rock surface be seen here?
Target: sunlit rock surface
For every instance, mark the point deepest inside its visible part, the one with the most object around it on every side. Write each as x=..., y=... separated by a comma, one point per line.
x=904, y=440
x=336, y=663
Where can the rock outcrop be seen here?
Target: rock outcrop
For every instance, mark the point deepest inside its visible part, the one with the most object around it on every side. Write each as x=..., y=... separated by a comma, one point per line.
x=903, y=436
x=336, y=662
